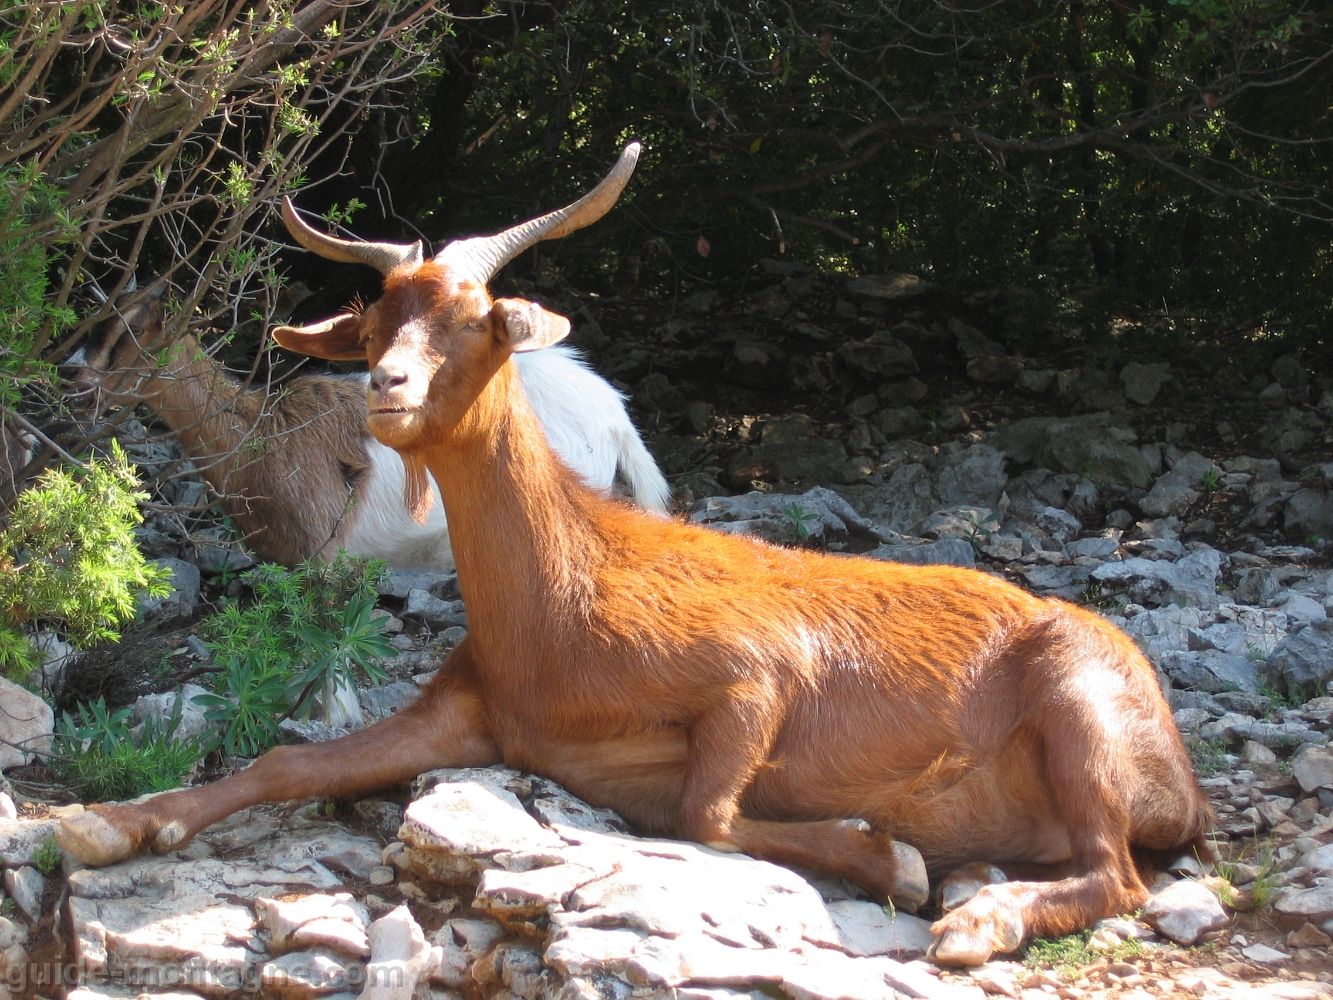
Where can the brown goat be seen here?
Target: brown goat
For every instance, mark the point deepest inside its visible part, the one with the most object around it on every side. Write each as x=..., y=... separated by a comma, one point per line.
x=795, y=706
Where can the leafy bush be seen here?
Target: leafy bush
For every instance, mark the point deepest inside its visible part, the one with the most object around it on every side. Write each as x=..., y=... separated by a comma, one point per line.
x=96, y=754
x=307, y=632
x=68, y=554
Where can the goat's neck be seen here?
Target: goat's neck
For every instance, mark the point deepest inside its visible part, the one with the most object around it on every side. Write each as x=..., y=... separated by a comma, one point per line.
x=195, y=397
x=524, y=530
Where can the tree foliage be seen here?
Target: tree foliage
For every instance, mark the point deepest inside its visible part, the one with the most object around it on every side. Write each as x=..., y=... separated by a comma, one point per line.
x=1159, y=166
x=1168, y=160
x=68, y=556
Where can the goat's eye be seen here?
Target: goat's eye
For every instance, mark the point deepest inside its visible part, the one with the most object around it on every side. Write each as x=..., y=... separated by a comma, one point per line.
x=477, y=325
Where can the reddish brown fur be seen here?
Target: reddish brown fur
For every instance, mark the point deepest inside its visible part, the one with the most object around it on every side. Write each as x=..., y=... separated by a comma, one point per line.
x=714, y=688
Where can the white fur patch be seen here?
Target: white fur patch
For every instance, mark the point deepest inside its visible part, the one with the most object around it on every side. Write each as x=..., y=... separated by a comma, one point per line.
x=586, y=424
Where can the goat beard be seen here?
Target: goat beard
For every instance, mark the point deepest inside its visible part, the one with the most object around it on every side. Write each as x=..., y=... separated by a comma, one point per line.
x=416, y=487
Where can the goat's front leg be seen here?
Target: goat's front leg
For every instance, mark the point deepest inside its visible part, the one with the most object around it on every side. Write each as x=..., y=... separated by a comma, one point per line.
x=727, y=748
x=444, y=728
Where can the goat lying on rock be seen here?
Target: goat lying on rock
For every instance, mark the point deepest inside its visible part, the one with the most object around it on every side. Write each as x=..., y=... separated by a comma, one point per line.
x=790, y=705
x=296, y=469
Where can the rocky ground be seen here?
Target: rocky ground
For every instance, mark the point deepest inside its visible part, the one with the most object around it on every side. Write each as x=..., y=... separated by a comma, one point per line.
x=1187, y=500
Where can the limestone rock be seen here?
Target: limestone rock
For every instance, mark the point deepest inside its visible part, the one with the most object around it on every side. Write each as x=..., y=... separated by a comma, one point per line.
x=823, y=516
x=198, y=933
x=1312, y=767
x=1086, y=445
x=756, y=365
x=998, y=370
x=21, y=839
x=972, y=343
x=193, y=722
x=399, y=957
x=26, y=886
x=890, y=287
x=316, y=921
x=184, y=590
x=1314, y=904
x=1211, y=670
x=457, y=945
x=25, y=721
x=458, y=829
x=1191, y=581
x=401, y=582
x=1143, y=382
x=866, y=929
x=945, y=552
x=1175, y=491
x=1184, y=911
x=433, y=611
x=882, y=356
x=1305, y=656
x=300, y=975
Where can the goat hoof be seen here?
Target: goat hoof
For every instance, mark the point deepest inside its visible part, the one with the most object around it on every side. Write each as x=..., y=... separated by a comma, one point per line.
x=960, y=948
x=93, y=839
x=990, y=922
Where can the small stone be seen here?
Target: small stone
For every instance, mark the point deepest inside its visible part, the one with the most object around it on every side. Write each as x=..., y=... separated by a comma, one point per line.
x=433, y=611
x=381, y=875
x=999, y=978
x=1265, y=955
x=1104, y=939
x=7, y=808
x=1257, y=753
x=1184, y=911
x=1309, y=936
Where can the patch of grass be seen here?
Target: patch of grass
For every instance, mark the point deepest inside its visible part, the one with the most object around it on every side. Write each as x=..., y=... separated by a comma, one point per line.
x=1208, y=757
x=96, y=754
x=1068, y=955
x=1264, y=887
x=47, y=857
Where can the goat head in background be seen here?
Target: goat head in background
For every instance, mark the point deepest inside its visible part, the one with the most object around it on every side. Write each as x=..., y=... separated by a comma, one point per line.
x=792, y=705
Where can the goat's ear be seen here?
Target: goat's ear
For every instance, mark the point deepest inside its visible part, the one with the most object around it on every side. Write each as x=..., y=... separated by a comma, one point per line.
x=526, y=326
x=337, y=339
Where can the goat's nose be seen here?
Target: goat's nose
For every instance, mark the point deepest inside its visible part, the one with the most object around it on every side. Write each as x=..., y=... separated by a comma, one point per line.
x=386, y=377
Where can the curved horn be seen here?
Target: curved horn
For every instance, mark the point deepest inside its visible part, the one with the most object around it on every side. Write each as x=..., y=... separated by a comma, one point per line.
x=485, y=255
x=384, y=257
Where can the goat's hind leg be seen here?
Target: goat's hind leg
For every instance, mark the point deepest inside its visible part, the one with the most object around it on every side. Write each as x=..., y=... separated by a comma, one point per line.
x=1092, y=731
x=444, y=728
x=727, y=748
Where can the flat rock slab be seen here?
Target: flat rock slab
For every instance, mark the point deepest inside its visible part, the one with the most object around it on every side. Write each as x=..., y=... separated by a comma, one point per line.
x=196, y=936
x=189, y=921
x=653, y=914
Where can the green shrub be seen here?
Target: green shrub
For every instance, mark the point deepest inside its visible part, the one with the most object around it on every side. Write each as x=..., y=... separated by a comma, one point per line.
x=68, y=556
x=96, y=754
x=307, y=631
